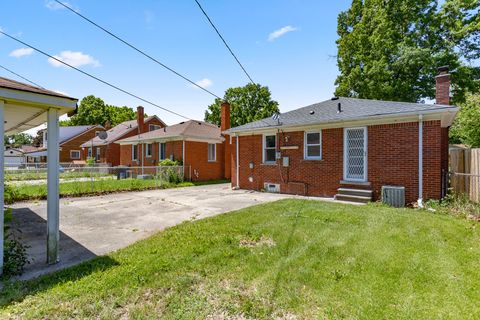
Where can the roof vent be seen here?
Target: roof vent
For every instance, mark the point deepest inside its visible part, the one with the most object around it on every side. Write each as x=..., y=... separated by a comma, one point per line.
x=335, y=98
x=199, y=123
x=182, y=122
x=339, y=107
x=312, y=112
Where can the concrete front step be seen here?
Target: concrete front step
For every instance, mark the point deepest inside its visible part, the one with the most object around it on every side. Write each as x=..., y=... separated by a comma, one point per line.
x=353, y=198
x=355, y=192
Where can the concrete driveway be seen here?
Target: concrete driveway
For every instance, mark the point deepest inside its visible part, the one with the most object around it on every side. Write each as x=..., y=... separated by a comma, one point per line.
x=93, y=226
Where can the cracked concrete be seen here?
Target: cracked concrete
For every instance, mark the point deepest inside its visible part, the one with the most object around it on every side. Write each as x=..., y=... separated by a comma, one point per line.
x=93, y=226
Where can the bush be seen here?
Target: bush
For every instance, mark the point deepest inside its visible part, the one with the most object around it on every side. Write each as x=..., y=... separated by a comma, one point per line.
x=169, y=163
x=15, y=254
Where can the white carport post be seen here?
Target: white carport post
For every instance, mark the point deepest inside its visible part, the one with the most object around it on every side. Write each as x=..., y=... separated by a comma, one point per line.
x=2, y=178
x=53, y=207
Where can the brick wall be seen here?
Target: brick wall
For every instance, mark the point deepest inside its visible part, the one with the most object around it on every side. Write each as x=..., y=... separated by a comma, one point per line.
x=392, y=159
x=74, y=144
x=196, y=158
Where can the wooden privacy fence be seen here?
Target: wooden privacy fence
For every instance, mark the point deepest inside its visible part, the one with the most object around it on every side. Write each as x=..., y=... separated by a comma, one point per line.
x=465, y=172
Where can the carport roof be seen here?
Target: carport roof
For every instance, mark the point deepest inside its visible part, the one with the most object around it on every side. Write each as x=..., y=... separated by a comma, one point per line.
x=26, y=106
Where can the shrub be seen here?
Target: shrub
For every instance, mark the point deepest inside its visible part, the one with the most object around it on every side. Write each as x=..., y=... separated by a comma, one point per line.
x=169, y=163
x=15, y=254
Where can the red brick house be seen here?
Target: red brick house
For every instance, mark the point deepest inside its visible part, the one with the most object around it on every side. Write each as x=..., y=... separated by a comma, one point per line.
x=107, y=151
x=71, y=139
x=197, y=144
x=348, y=148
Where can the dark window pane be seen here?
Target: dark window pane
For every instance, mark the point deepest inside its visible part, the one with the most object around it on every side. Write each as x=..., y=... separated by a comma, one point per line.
x=270, y=141
x=313, y=138
x=313, y=151
x=270, y=155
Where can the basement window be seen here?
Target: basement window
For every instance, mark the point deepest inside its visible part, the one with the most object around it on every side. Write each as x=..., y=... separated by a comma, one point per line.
x=212, y=152
x=313, y=145
x=269, y=148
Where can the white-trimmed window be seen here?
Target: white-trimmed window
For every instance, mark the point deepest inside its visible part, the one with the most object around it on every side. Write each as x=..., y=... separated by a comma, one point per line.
x=149, y=150
x=153, y=127
x=162, y=151
x=89, y=154
x=134, y=152
x=97, y=154
x=313, y=145
x=212, y=152
x=75, y=154
x=269, y=148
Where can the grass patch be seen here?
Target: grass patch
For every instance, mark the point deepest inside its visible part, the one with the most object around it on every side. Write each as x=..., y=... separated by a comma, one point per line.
x=23, y=192
x=29, y=175
x=290, y=259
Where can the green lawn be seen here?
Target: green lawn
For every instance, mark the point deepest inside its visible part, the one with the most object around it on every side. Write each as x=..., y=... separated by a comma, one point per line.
x=22, y=192
x=292, y=259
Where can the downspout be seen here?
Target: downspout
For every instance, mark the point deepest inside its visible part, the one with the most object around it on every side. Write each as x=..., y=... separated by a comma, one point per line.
x=420, y=161
x=238, y=165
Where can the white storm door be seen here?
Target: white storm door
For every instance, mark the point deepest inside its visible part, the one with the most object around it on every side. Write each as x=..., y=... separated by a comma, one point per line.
x=355, y=154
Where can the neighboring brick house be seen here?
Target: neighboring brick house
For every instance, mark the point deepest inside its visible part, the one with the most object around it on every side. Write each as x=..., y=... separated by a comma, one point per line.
x=348, y=148
x=107, y=151
x=70, y=139
x=197, y=144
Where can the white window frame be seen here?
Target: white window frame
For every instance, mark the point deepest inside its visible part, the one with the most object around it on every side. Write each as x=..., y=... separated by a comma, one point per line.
x=97, y=154
x=162, y=145
x=89, y=152
x=306, y=145
x=264, y=148
x=148, y=153
x=214, y=152
x=134, y=149
x=155, y=126
x=75, y=158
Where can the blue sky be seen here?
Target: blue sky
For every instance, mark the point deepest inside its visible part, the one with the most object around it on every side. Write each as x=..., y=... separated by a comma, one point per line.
x=297, y=62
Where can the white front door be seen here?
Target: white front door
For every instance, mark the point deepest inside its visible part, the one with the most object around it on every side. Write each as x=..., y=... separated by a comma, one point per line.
x=355, y=154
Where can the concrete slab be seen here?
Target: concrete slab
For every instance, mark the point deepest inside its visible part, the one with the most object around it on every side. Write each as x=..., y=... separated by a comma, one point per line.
x=93, y=226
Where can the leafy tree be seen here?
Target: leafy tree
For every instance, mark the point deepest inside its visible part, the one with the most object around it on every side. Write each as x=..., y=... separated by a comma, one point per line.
x=249, y=103
x=18, y=140
x=466, y=128
x=390, y=50
x=93, y=110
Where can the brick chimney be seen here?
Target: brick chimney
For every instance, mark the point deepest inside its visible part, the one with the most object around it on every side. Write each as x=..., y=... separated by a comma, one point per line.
x=442, y=95
x=225, y=125
x=140, y=119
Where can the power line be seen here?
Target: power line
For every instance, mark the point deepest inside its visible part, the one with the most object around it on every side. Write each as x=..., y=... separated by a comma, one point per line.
x=136, y=49
x=94, y=77
x=12, y=72
x=224, y=42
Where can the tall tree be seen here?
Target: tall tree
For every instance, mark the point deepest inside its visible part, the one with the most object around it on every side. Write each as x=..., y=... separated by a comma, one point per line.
x=466, y=128
x=249, y=103
x=93, y=110
x=390, y=50
x=18, y=140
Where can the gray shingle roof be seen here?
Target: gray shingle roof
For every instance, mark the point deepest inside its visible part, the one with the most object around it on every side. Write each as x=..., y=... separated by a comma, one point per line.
x=116, y=132
x=192, y=129
x=352, y=109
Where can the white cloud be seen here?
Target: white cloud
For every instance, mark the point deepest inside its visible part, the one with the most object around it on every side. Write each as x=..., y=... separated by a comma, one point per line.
x=21, y=52
x=204, y=83
x=74, y=58
x=53, y=5
x=280, y=32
